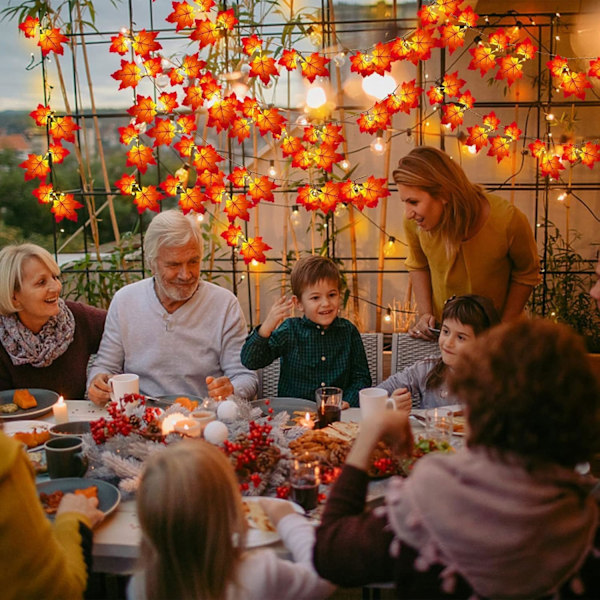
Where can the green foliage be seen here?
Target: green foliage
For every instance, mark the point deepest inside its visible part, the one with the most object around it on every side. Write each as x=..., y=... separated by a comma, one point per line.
x=567, y=286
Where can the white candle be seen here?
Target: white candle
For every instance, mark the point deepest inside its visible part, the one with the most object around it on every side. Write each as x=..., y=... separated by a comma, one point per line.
x=307, y=422
x=61, y=412
x=188, y=427
x=168, y=423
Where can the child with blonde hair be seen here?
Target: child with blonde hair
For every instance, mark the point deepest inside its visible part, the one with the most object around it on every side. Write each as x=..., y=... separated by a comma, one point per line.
x=193, y=534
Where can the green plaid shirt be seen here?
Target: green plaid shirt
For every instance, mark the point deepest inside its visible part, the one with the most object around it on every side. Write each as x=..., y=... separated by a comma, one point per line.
x=312, y=357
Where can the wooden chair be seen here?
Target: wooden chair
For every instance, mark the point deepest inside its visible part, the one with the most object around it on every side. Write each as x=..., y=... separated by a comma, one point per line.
x=268, y=377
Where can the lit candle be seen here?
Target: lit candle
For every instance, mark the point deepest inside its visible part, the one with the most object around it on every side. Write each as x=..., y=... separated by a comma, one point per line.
x=169, y=422
x=307, y=422
x=61, y=412
x=188, y=428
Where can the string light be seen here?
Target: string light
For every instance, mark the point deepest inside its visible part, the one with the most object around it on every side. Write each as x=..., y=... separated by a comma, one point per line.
x=389, y=246
x=550, y=117
x=378, y=146
x=388, y=315
x=345, y=164
x=295, y=216
x=562, y=196
x=316, y=97
x=272, y=170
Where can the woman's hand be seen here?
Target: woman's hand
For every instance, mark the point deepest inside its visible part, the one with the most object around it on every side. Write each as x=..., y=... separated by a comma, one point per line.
x=99, y=390
x=402, y=400
x=420, y=329
x=279, y=311
x=78, y=503
x=275, y=509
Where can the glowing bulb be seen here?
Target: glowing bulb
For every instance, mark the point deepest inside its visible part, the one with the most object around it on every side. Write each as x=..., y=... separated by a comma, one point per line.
x=550, y=117
x=200, y=217
x=183, y=174
x=562, y=197
x=162, y=81
x=339, y=59
x=379, y=86
x=388, y=316
x=124, y=31
x=472, y=149
x=378, y=146
x=295, y=216
x=272, y=170
x=254, y=262
x=316, y=97
x=388, y=249
x=302, y=121
x=557, y=38
x=339, y=209
x=345, y=164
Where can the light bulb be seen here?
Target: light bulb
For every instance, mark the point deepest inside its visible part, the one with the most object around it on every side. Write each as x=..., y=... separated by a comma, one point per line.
x=340, y=209
x=302, y=121
x=272, y=170
x=388, y=316
x=472, y=149
x=339, y=59
x=200, y=217
x=316, y=97
x=295, y=216
x=562, y=196
x=378, y=146
x=550, y=117
x=162, y=81
x=388, y=249
x=345, y=164
x=379, y=86
x=254, y=262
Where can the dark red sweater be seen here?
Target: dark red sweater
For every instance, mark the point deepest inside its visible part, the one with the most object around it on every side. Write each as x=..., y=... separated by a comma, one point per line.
x=67, y=374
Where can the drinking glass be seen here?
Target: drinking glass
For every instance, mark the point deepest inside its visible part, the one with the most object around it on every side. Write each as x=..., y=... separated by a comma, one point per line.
x=305, y=478
x=329, y=405
x=438, y=424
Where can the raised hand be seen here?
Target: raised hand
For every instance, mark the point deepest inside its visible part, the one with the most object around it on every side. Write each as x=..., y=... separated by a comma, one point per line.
x=281, y=310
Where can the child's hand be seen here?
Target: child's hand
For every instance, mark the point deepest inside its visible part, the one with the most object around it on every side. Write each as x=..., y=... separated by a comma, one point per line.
x=279, y=311
x=402, y=399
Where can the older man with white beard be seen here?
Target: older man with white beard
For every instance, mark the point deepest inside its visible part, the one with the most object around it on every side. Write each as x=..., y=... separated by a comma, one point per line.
x=181, y=335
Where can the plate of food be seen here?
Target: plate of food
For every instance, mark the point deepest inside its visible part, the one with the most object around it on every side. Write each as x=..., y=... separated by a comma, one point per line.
x=261, y=532
x=31, y=433
x=290, y=405
x=51, y=493
x=185, y=400
x=26, y=403
x=459, y=422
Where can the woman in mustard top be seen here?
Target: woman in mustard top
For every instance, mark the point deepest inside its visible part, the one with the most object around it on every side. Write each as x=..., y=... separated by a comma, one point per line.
x=461, y=240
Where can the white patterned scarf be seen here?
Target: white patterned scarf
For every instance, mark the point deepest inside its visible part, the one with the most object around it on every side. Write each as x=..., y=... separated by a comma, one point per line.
x=37, y=349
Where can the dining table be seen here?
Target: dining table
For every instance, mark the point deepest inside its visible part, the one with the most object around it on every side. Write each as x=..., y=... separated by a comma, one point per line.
x=117, y=539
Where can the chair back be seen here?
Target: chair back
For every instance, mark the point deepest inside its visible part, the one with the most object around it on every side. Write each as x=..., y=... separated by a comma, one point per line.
x=373, y=343
x=268, y=380
x=407, y=350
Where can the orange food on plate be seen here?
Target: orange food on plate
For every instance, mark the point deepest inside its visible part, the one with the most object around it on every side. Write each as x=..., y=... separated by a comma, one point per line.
x=32, y=438
x=24, y=399
x=90, y=492
x=186, y=402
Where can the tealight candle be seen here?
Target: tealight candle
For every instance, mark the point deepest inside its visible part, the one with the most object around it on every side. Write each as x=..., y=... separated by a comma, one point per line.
x=307, y=422
x=188, y=427
x=168, y=423
x=61, y=412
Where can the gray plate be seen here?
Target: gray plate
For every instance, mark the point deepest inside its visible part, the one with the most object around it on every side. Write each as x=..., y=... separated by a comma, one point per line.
x=45, y=400
x=289, y=404
x=77, y=428
x=108, y=495
x=170, y=398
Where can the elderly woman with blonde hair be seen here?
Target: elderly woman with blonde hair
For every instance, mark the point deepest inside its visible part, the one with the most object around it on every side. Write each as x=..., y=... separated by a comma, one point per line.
x=45, y=342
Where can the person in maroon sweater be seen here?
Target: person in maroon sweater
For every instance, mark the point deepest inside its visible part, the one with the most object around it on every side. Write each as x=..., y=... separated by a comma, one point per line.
x=507, y=516
x=45, y=342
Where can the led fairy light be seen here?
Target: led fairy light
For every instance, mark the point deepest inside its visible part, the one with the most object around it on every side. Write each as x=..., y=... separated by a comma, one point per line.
x=272, y=169
x=316, y=97
x=388, y=315
x=378, y=146
x=379, y=86
x=295, y=216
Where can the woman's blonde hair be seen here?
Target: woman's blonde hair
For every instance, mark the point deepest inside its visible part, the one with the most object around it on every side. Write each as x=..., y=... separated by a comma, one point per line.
x=434, y=172
x=12, y=259
x=191, y=514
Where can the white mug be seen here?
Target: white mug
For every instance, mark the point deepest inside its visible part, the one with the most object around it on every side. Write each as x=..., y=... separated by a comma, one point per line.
x=120, y=385
x=373, y=400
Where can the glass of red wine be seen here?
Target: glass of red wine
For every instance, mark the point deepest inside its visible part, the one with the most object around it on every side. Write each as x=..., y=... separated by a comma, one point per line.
x=329, y=405
x=305, y=478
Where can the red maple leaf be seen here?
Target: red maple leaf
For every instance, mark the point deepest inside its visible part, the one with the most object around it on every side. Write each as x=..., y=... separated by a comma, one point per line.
x=210, y=86
x=51, y=40
x=329, y=196
x=236, y=207
x=64, y=206
x=140, y=156
x=128, y=134
x=325, y=156
x=58, y=153
x=467, y=17
x=171, y=185
x=185, y=146
x=211, y=180
x=205, y=5
x=250, y=107
x=452, y=84
x=373, y=189
x=381, y=58
x=193, y=97
x=263, y=66
x=192, y=65
x=226, y=20
x=557, y=66
x=119, y=44
x=206, y=158
x=129, y=75
x=238, y=176
x=512, y=131
x=428, y=14
x=590, y=154
x=169, y=101
x=498, y=40
x=311, y=134
x=127, y=184
x=192, y=199
x=452, y=36
x=332, y=134
x=221, y=114
x=594, y=68
x=36, y=165
x=163, y=132
x=182, y=15
x=186, y=123
x=526, y=49
x=261, y=188
x=254, y=249
x=144, y=110
x=537, y=148
x=147, y=198
x=252, y=44
x=63, y=128
x=491, y=121
x=509, y=68
x=452, y=114
x=478, y=137
x=153, y=66
x=574, y=83
x=290, y=145
x=409, y=95
x=377, y=117
x=484, y=58
x=499, y=147
x=308, y=196
x=40, y=115
x=44, y=193
x=435, y=94
x=270, y=119
x=550, y=165
x=205, y=33
x=145, y=42
x=362, y=63
x=30, y=26
x=421, y=43
x=232, y=234
x=303, y=159
x=570, y=153
x=240, y=128
x=289, y=59
x=314, y=66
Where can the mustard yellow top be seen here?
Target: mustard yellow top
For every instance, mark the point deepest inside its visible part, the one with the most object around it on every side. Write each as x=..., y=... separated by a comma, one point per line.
x=502, y=252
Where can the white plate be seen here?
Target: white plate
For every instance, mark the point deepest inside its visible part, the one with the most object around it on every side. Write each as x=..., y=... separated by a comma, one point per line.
x=257, y=537
x=45, y=400
x=12, y=427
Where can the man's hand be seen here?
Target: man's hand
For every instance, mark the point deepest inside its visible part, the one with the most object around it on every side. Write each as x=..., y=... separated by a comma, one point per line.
x=219, y=388
x=99, y=390
x=78, y=503
x=279, y=311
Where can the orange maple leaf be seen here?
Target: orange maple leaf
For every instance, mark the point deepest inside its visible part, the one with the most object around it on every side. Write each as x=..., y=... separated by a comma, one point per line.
x=163, y=132
x=499, y=147
x=303, y=159
x=226, y=20
x=574, y=83
x=374, y=188
x=362, y=63
x=127, y=184
x=192, y=199
x=58, y=153
x=63, y=128
x=484, y=58
x=270, y=119
x=206, y=158
x=308, y=196
x=491, y=121
x=145, y=42
x=467, y=17
x=594, y=68
x=512, y=131
x=182, y=15
x=510, y=68
x=236, y=207
x=498, y=40
x=205, y=5
x=570, y=153
x=550, y=165
x=169, y=101
x=452, y=84
x=238, y=176
x=261, y=188
x=240, y=128
x=44, y=193
x=119, y=44
x=452, y=114
x=557, y=66
x=232, y=234
x=332, y=134
x=377, y=117
x=185, y=146
x=325, y=156
x=129, y=75
x=36, y=165
x=478, y=137
x=590, y=154
x=409, y=95
x=140, y=156
x=314, y=66
x=40, y=115
x=192, y=65
x=211, y=180
x=252, y=44
x=289, y=59
x=144, y=110
x=329, y=196
x=381, y=58
x=435, y=94
x=193, y=97
x=30, y=26
x=205, y=33
x=421, y=45
x=254, y=249
x=64, y=206
x=290, y=145
x=51, y=40
x=128, y=134
x=537, y=148
x=210, y=86
x=250, y=107
x=186, y=123
x=428, y=14
x=263, y=66
x=153, y=66
x=526, y=49
x=171, y=185
x=147, y=198
x=452, y=36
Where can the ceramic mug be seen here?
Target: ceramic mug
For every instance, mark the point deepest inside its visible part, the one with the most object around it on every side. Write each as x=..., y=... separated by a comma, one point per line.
x=120, y=385
x=373, y=400
x=64, y=456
